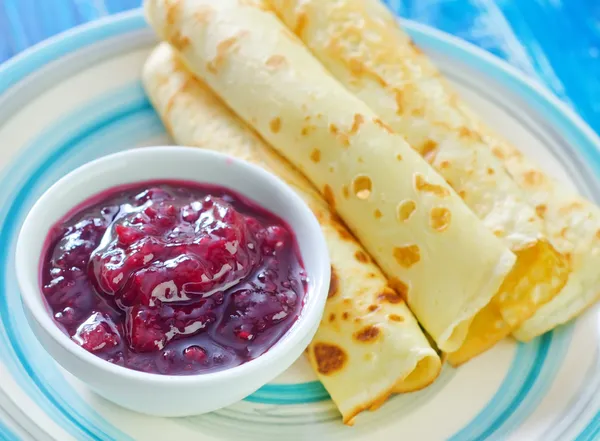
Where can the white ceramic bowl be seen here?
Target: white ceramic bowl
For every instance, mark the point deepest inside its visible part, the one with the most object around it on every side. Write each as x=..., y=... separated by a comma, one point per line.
x=166, y=395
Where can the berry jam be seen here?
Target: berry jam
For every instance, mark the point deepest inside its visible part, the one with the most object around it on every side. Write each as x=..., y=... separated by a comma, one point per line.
x=173, y=277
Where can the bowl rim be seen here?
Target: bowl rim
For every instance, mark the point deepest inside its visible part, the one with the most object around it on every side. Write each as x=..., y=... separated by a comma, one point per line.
x=307, y=320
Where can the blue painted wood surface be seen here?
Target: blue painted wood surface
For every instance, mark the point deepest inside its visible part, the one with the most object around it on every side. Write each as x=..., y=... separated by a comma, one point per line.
x=556, y=41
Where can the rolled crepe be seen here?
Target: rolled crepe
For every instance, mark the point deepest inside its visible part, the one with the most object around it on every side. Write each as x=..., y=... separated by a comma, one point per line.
x=364, y=349
x=434, y=250
x=360, y=43
x=573, y=225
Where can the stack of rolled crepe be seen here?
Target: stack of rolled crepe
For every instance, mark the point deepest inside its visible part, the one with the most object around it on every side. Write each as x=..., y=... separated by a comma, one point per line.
x=361, y=44
x=342, y=120
x=573, y=225
x=436, y=253
x=558, y=245
x=369, y=344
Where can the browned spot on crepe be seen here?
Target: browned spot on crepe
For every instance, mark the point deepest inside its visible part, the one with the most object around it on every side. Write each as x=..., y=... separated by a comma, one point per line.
x=372, y=308
x=399, y=101
x=498, y=153
x=358, y=120
x=315, y=155
x=377, y=214
x=345, y=315
x=328, y=195
x=390, y=295
x=400, y=287
x=407, y=256
x=464, y=131
x=224, y=48
x=396, y=318
x=288, y=34
x=541, y=210
x=361, y=186
x=344, y=139
x=330, y=358
x=357, y=68
x=422, y=185
x=179, y=41
x=275, y=124
x=367, y=334
x=399, y=157
x=468, y=133
x=342, y=231
x=306, y=130
x=405, y=210
x=361, y=256
x=440, y=218
x=533, y=178
x=428, y=150
x=383, y=125
x=301, y=23
x=332, y=317
x=334, y=283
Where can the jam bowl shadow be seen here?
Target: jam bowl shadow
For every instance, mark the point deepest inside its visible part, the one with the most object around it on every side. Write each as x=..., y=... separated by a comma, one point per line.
x=151, y=393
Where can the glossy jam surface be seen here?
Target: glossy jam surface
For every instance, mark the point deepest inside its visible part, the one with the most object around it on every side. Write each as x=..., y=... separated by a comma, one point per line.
x=173, y=278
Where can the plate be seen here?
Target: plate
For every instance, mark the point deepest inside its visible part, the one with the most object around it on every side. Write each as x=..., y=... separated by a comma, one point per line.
x=78, y=96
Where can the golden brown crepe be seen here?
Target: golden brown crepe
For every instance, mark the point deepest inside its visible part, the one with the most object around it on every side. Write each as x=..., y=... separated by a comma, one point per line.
x=368, y=344
x=361, y=44
x=573, y=225
x=435, y=251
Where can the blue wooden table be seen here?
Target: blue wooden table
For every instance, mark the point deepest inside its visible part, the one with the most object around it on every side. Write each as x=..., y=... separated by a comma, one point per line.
x=556, y=41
